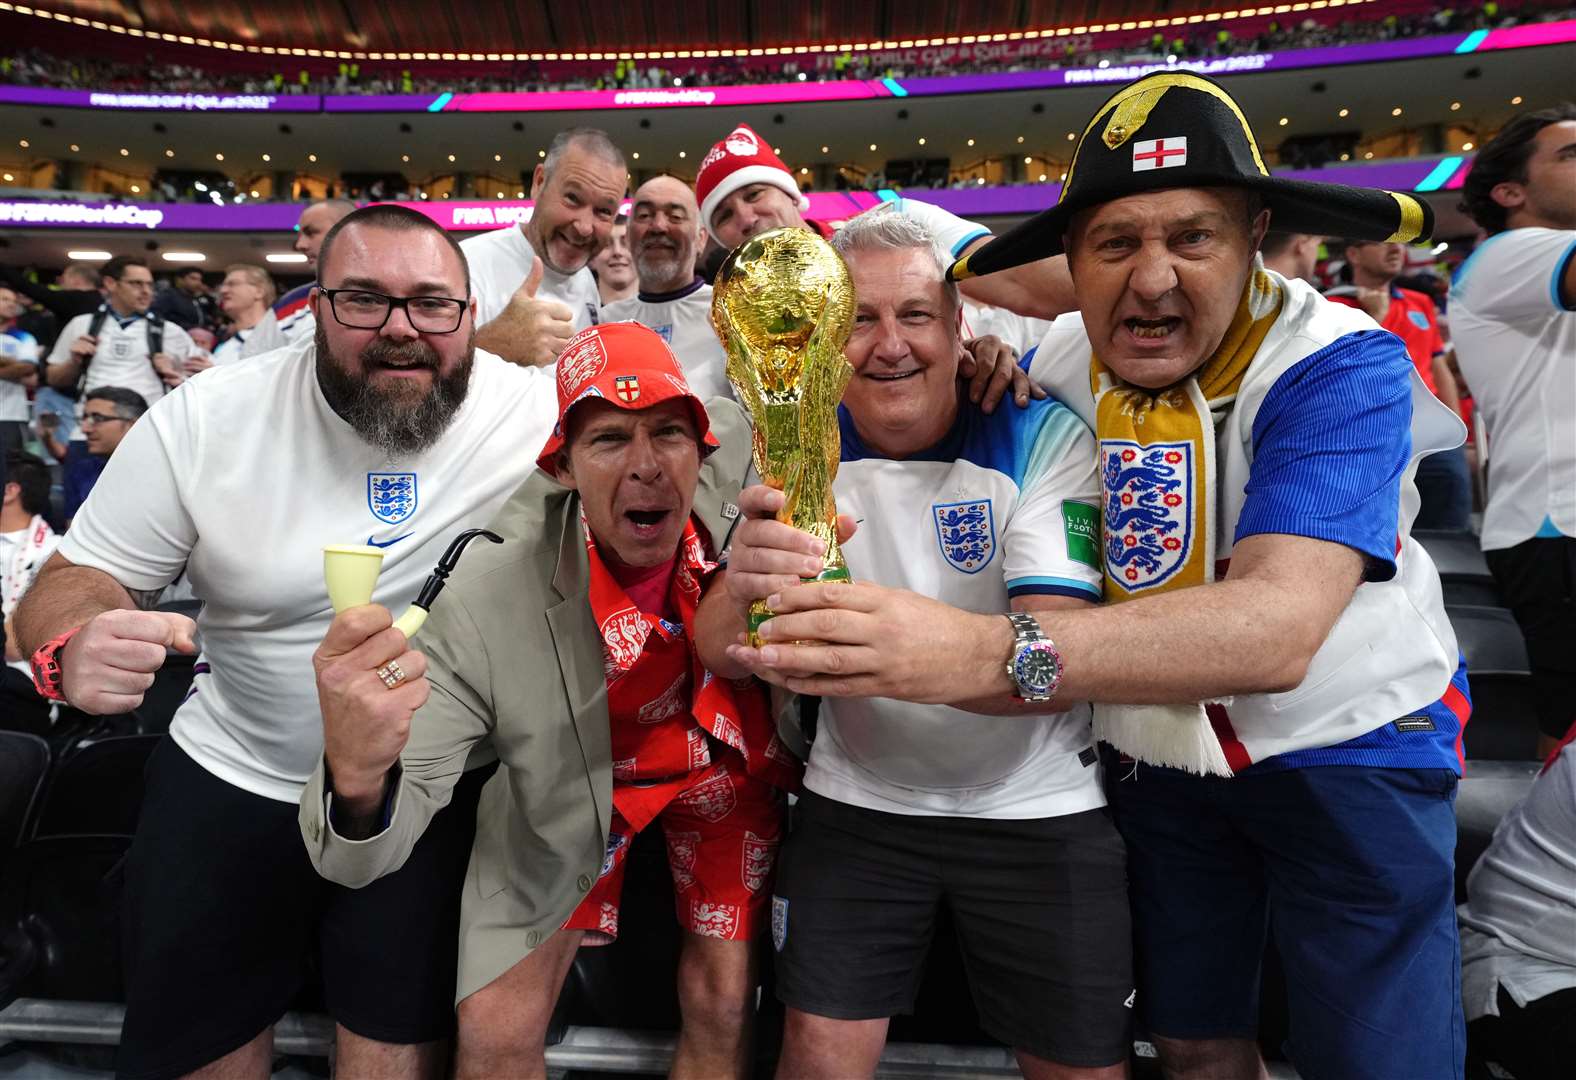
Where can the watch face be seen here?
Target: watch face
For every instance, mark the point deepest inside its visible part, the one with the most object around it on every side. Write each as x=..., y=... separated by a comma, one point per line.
x=1036, y=667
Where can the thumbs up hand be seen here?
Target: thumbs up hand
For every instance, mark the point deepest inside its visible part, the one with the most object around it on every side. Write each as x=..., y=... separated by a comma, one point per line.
x=530, y=332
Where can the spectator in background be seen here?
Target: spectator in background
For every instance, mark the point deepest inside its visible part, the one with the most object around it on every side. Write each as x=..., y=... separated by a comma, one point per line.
x=1513, y=319
x=613, y=267
x=18, y=372
x=122, y=343
x=107, y=414
x=290, y=318
x=26, y=540
x=187, y=302
x=245, y=297
x=76, y=291
x=1291, y=255
x=533, y=283
x=666, y=237
x=1518, y=932
x=1443, y=482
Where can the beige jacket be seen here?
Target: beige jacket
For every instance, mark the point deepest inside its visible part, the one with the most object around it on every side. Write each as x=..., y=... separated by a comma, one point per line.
x=515, y=662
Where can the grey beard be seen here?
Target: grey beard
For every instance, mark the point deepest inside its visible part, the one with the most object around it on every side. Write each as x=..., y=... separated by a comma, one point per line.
x=659, y=272
x=390, y=421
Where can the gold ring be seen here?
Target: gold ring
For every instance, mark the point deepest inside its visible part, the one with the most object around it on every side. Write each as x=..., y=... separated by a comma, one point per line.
x=391, y=674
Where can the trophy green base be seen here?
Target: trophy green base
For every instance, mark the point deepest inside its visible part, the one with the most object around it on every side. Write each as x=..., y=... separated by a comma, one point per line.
x=759, y=612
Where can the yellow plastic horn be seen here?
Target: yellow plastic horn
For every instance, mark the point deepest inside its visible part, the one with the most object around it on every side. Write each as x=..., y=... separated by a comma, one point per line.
x=351, y=573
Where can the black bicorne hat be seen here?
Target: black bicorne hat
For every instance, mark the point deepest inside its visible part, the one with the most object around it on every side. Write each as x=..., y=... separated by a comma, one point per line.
x=1177, y=129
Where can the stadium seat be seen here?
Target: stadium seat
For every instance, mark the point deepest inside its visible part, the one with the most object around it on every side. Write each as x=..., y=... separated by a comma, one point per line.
x=60, y=919
x=96, y=788
x=1488, y=791
x=1504, y=723
x=24, y=761
x=1462, y=569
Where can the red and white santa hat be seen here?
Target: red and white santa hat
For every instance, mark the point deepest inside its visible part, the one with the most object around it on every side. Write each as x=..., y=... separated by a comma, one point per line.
x=740, y=159
x=626, y=365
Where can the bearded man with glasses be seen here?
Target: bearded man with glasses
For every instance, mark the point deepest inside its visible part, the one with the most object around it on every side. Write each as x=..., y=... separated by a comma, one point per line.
x=386, y=428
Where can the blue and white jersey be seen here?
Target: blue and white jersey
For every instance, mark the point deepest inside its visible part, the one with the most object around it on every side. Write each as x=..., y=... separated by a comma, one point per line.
x=1322, y=441
x=1004, y=505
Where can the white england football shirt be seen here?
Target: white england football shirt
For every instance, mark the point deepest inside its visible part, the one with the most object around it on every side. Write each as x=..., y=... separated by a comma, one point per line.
x=122, y=355
x=1004, y=505
x=683, y=319
x=500, y=262
x=243, y=478
x=1516, y=344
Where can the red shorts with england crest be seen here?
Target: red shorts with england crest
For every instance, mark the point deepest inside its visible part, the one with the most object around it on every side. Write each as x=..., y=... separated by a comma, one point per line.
x=723, y=831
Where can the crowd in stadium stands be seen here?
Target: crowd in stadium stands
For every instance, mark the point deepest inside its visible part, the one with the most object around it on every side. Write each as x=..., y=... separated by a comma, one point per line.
x=34, y=67
x=997, y=437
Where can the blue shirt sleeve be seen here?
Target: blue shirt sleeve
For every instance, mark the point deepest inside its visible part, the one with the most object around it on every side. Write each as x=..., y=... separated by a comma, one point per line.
x=1331, y=442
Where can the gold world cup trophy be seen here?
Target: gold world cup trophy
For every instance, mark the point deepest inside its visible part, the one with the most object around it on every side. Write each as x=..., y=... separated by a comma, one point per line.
x=783, y=307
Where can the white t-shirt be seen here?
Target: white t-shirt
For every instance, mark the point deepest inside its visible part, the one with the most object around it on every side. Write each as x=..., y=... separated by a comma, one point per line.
x=1518, y=926
x=233, y=348
x=683, y=319
x=243, y=478
x=1516, y=344
x=16, y=346
x=501, y=261
x=1004, y=505
x=122, y=355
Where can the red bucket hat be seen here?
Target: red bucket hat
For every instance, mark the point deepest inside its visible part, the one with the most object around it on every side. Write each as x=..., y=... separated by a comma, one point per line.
x=627, y=365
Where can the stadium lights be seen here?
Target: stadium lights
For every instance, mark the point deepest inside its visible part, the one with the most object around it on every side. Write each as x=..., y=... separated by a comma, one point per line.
x=267, y=157
x=405, y=158
x=311, y=157
x=87, y=256
x=1455, y=106
x=971, y=142
x=922, y=140
x=1285, y=120
x=826, y=149
x=682, y=154
x=785, y=50
x=7, y=177
x=218, y=157
x=1020, y=140
x=1396, y=111
x=125, y=153
x=872, y=146
x=451, y=157
x=636, y=155
x=167, y=153
x=1516, y=100
x=1467, y=145
x=136, y=189
x=1344, y=112
x=185, y=256
x=75, y=148
x=23, y=143
x=497, y=157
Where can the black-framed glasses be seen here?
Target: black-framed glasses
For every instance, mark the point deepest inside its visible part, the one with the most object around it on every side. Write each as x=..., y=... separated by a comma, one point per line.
x=363, y=309
x=93, y=419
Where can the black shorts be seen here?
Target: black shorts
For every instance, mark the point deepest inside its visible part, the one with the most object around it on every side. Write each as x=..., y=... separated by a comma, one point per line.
x=1537, y=578
x=1040, y=908
x=223, y=913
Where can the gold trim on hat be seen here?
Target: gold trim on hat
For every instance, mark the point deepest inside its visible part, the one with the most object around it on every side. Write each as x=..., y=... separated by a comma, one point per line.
x=1411, y=227
x=1151, y=90
x=960, y=269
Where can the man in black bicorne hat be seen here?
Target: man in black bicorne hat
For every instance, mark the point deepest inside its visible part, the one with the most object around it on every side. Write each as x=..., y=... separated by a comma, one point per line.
x=1275, y=682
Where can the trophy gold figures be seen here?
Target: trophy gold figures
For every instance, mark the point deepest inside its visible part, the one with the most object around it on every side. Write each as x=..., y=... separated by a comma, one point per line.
x=783, y=307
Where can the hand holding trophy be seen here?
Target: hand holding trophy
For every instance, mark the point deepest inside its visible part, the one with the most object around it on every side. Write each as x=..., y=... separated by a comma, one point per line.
x=783, y=307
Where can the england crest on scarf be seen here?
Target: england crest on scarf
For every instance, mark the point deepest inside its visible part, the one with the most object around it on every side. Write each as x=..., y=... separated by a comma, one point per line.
x=1148, y=510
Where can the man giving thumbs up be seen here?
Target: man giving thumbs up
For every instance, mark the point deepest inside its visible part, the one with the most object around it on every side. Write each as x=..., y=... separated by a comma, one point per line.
x=532, y=283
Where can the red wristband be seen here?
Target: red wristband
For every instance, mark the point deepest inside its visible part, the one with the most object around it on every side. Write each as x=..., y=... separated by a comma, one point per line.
x=46, y=666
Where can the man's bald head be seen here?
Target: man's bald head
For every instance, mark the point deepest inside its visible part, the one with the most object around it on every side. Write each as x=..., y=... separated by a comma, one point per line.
x=314, y=223
x=665, y=234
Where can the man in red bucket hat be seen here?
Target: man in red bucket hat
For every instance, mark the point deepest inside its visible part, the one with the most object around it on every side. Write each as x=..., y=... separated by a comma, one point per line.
x=566, y=652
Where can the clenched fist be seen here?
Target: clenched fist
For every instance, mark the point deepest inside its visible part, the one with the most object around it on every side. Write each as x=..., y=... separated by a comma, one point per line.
x=109, y=664
x=365, y=723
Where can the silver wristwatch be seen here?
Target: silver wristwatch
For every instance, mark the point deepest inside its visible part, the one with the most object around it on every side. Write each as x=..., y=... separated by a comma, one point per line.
x=1035, y=666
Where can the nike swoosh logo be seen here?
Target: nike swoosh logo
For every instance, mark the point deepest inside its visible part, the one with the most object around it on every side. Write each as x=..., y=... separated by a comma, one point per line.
x=388, y=543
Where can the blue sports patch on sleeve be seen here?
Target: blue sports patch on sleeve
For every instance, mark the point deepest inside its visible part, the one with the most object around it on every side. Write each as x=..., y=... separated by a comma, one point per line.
x=1331, y=442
